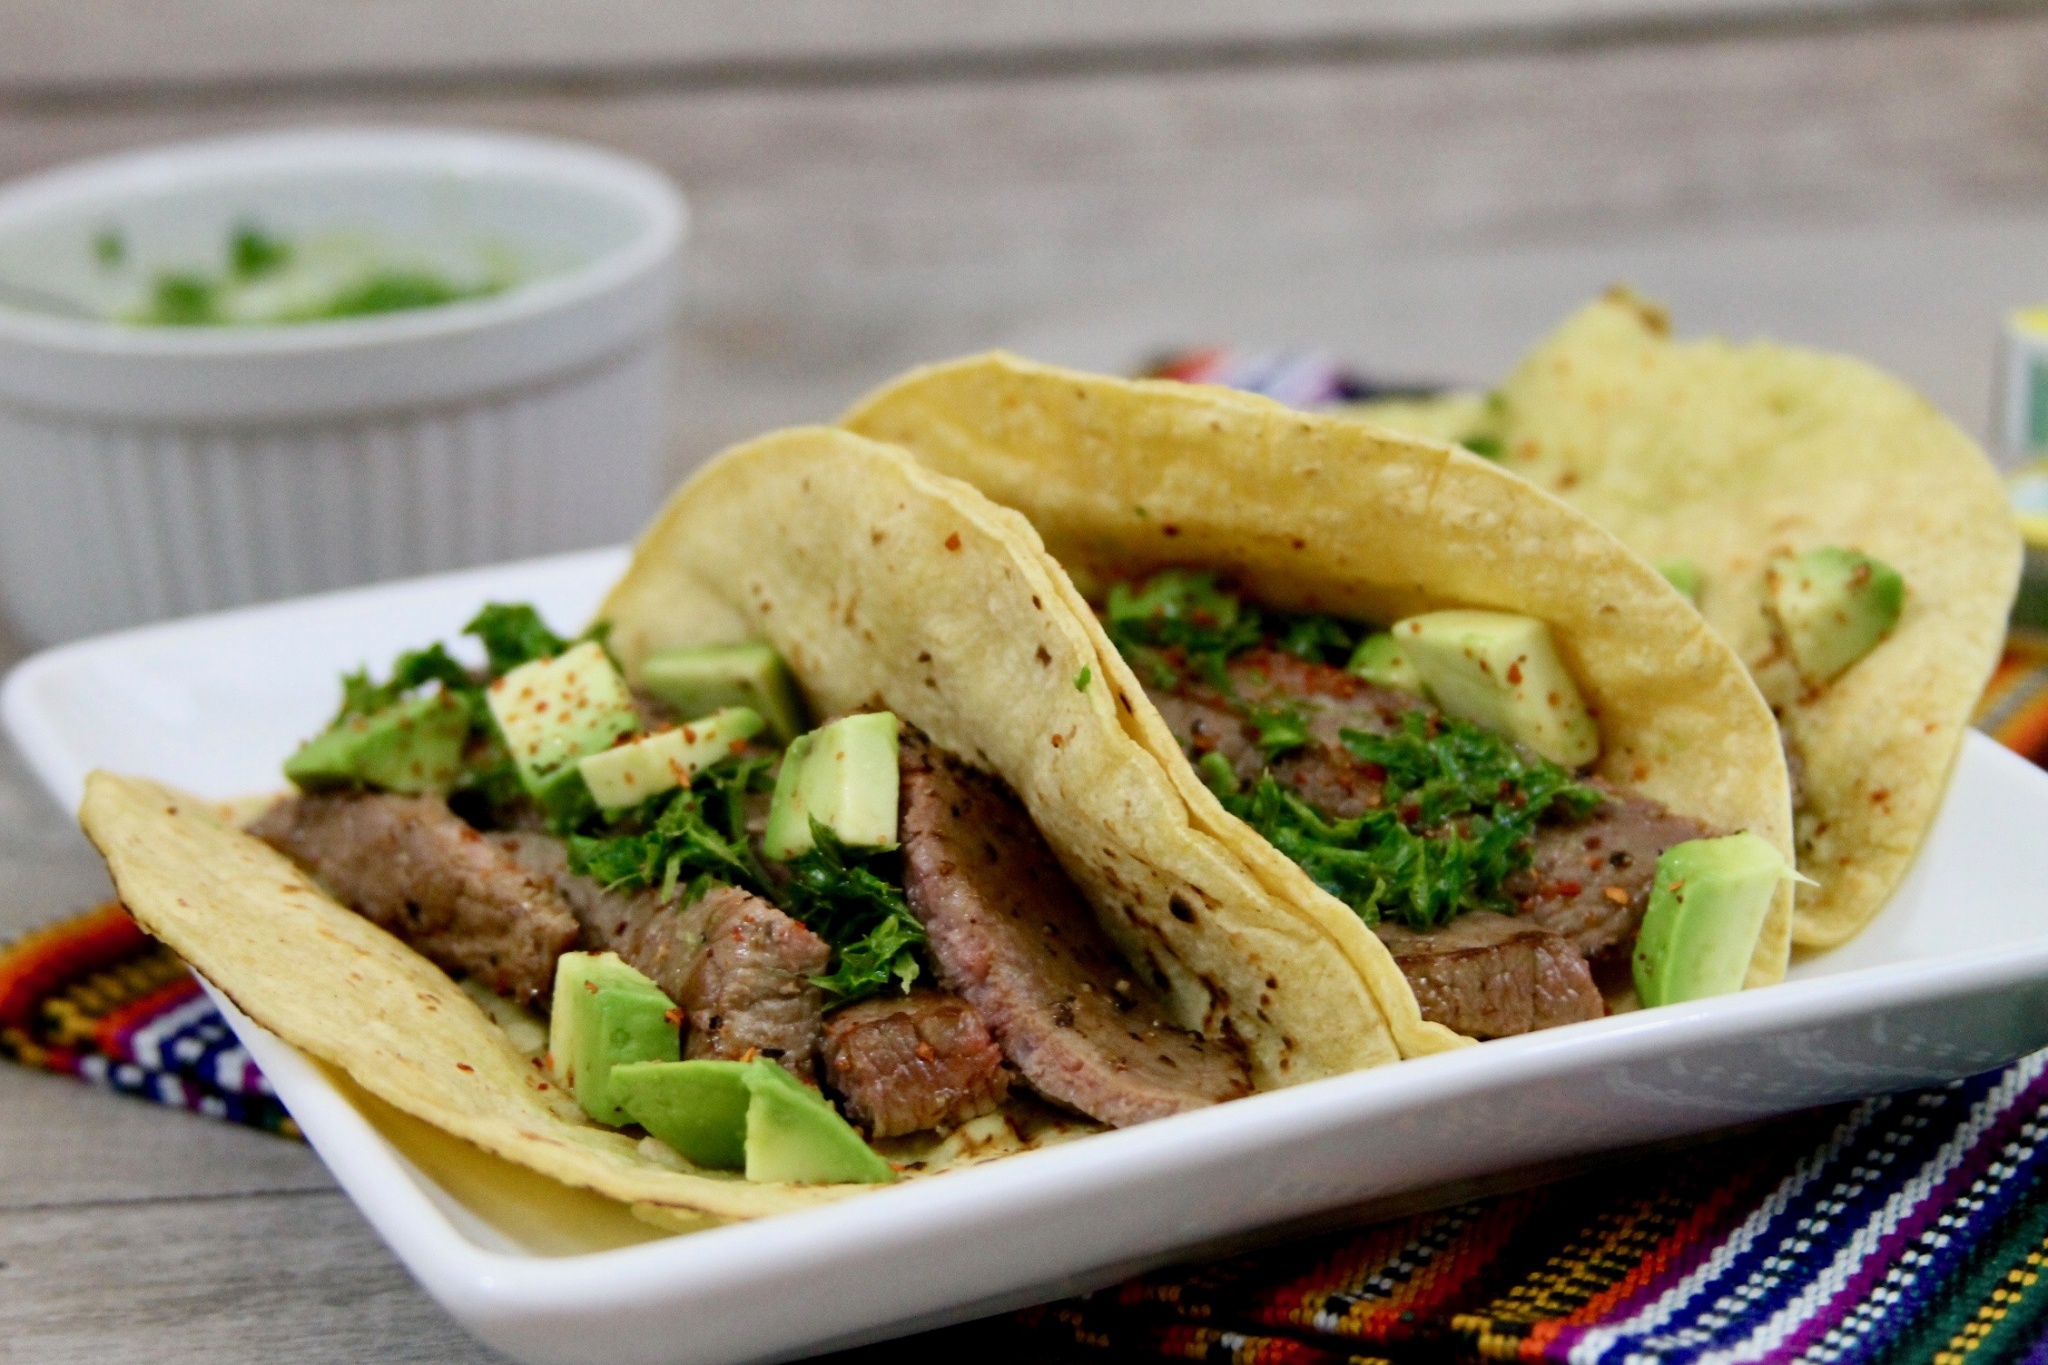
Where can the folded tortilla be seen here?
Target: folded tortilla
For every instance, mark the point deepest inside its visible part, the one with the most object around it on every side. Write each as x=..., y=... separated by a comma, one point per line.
x=1311, y=513
x=1732, y=455
x=881, y=583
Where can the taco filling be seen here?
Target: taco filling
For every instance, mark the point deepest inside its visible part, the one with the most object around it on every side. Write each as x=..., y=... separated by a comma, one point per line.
x=1509, y=887
x=881, y=921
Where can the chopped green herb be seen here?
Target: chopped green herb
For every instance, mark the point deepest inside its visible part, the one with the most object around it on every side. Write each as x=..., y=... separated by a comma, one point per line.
x=394, y=291
x=1462, y=806
x=513, y=634
x=1083, y=678
x=1182, y=609
x=184, y=300
x=253, y=253
x=1317, y=638
x=692, y=832
x=863, y=917
x=414, y=668
x=1483, y=444
x=1281, y=728
x=1217, y=774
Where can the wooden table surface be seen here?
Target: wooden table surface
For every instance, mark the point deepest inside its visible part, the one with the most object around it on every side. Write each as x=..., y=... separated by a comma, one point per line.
x=1422, y=188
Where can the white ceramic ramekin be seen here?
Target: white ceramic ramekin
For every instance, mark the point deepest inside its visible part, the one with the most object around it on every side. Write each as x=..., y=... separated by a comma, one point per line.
x=154, y=471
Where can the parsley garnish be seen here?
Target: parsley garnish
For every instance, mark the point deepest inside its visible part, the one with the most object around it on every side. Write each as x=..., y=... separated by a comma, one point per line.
x=1462, y=806
x=863, y=917
x=1281, y=728
x=1181, y=609
x=1317, y=638
x=1083, y=678
x=690, y=832
x=513, y=634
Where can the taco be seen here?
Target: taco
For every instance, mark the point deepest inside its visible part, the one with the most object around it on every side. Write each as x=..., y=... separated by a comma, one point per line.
x=1760, y=477
x=1486, y=802
x=966, y=914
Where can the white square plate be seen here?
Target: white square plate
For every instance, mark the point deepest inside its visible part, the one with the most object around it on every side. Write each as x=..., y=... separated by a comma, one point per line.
x=1951, y=979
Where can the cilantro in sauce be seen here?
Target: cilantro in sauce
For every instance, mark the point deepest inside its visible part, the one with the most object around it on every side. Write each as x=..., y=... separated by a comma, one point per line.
x=268, y=278
x=1181, y=610
x=862, y=915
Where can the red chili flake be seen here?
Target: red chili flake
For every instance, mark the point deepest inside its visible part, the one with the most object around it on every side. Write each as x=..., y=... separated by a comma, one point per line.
x=1569, y=888
x=674, y=1016
x=953, y=541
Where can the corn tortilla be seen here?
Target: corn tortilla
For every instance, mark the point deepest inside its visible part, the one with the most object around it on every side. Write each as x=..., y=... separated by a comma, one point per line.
x=1732, y=455
x=1123, y=477
x=881, y=583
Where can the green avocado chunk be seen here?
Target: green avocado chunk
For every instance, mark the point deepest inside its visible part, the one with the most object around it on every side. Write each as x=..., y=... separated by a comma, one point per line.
x=844, y=776
x=1502, y=672
x=1684, y=575
x=750, y=1116
x=708, y=678
x=794, y=1135
x=697, y=1107
x=1707, y=907
x=626, y=774
x=1379, y=659
x=605, y=1014
x=1833, y=605
x=552, y=712
x=411, y=746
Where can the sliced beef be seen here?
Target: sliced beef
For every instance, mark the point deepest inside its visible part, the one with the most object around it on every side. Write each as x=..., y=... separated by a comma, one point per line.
x=904, y=1063
x=1323, y=772
x=660, y=939
x=751, y=992
x=1009, y=932
x=409, y=865
x=1490, y=976
x=1590, y=881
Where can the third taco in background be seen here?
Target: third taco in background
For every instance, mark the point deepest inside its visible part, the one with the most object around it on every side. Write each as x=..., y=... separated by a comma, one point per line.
x=1852, y=544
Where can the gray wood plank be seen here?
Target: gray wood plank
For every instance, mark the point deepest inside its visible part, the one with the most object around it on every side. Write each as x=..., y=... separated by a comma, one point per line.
x=296, y=1277
x=64, y=1143
x=57, y=47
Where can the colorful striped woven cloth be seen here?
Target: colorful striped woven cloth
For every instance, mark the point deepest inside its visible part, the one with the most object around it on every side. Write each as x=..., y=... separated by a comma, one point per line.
x=1905, y=1228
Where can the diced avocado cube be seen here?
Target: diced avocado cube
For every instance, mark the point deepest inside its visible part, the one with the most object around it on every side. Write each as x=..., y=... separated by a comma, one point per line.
x=1379, y=659
x=1707, y=907
x=697, y=1107
x=703, y=679
x=552, y=712
x=605, y=1014
x=846, y=779
x=794, y=1135
x=1502, y=671
x=788, y=831
x=411, y=746
x=627, y=774
x=1833, y=606
x=1684, y=575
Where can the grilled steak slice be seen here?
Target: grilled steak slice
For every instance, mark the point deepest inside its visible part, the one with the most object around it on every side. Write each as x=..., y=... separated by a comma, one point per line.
x=1591, y=881
x=751, y=992
x=1323, y=772
x=410, y=866
x=1490, y=975
x=663, y=941
x=904, y=1063
x=1009, y=932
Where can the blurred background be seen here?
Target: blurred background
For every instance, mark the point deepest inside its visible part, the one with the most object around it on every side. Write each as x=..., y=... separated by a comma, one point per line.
x=1421, y=187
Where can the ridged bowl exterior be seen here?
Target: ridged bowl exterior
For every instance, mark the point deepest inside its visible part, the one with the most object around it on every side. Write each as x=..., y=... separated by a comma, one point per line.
x=111, y=523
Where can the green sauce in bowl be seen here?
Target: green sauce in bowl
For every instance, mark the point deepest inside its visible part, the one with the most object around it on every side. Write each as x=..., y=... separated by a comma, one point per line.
x=270, y=279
